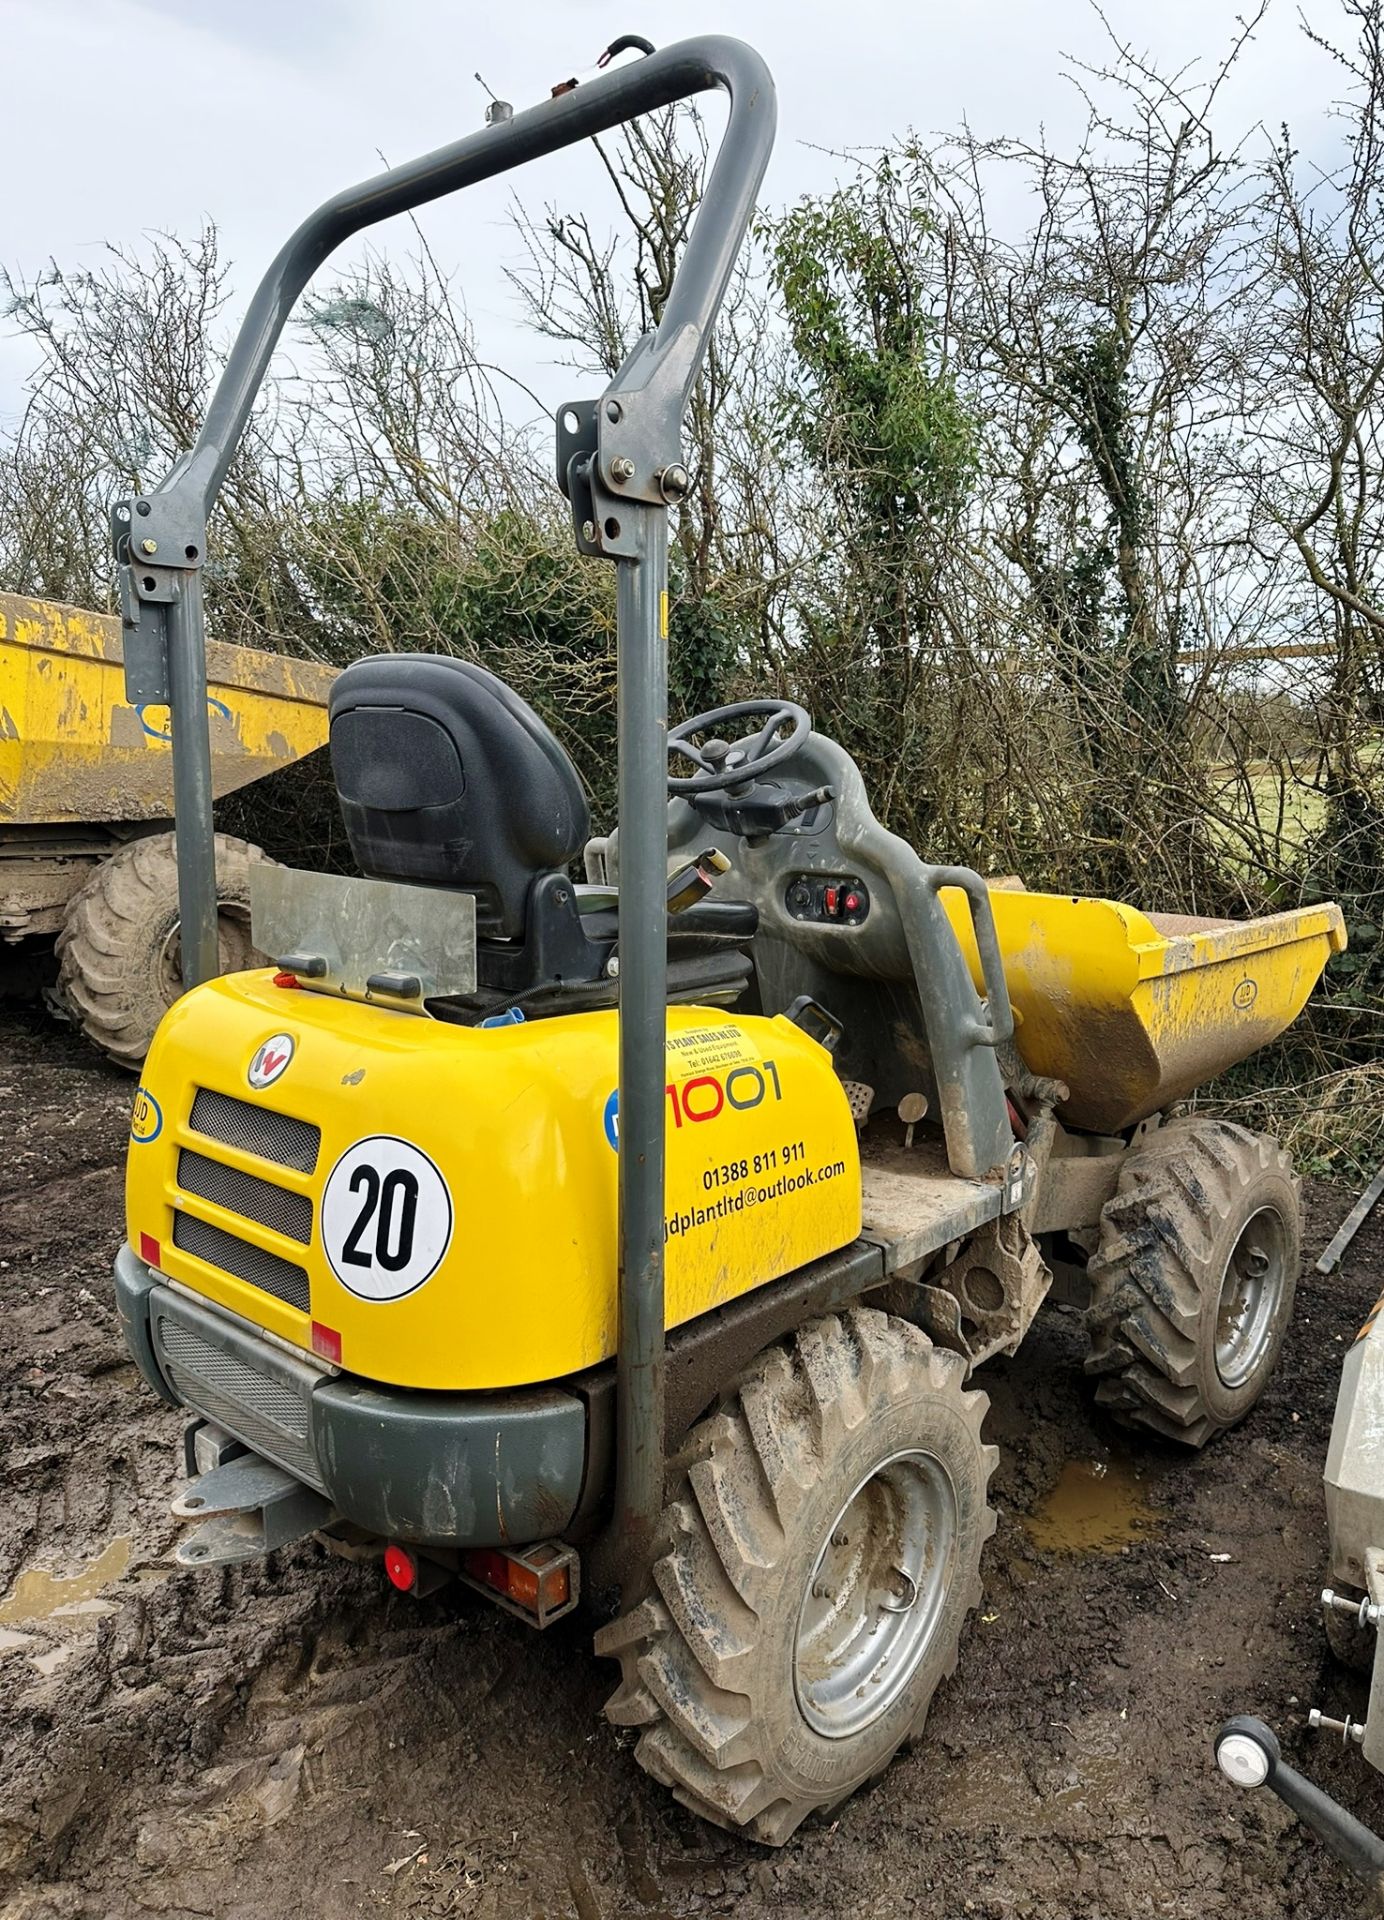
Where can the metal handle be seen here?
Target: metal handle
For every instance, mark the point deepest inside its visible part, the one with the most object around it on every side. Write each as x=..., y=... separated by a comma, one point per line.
x=1248, y=1754
x=1001, y=1027
x=804, y=1009
x=160, y=539
x=676, y=73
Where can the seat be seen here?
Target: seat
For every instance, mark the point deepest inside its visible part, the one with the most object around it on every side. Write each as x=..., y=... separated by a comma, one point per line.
x=446, y=778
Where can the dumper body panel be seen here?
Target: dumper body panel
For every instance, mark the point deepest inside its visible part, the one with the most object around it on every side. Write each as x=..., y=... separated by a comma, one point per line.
x=442, y=1199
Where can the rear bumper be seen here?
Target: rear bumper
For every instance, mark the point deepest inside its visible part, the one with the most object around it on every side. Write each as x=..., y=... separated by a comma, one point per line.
x=433, y=1469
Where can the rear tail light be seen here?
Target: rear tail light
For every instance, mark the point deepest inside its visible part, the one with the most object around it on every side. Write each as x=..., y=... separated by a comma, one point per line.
x=540, y=1583
x=410, y=1572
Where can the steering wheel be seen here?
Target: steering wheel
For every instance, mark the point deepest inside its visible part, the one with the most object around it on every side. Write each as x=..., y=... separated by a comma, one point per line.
x=726, y=765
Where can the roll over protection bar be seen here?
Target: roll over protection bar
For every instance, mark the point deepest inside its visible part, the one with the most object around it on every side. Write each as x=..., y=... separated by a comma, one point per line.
x=160, y=545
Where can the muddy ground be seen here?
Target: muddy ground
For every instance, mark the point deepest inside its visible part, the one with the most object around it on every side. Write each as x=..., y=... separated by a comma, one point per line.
x=298, y=1739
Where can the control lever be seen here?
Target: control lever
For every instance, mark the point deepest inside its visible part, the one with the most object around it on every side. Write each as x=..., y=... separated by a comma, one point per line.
x=689, y=884
x=818, y=797
x=1248, y=1754
x=805, y=1012
x=758, y=810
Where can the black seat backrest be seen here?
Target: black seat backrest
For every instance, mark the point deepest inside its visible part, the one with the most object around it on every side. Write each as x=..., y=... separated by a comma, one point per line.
x=448, y=779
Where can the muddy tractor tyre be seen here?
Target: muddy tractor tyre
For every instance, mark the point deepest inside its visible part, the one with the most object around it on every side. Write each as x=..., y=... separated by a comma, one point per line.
x=1350, y=1643
x=820, y=1552
x=1192, y=1284
x=119, y=961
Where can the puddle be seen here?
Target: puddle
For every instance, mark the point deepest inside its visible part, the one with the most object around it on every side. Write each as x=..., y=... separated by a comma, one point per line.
x=990, y=1789
x=38, y=1594
x=1103, y=1785
x=1096, y=1507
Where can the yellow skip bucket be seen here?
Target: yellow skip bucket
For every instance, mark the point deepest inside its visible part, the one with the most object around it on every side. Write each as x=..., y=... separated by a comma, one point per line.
x=1133, y=1010
x=72, y=748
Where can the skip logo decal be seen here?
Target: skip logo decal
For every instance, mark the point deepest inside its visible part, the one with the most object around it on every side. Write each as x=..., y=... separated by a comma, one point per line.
x=706, y=1097
x=270, y=1060
x=146, y=1118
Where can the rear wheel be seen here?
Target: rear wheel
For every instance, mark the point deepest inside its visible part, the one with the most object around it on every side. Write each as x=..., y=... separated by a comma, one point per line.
x=1192, y=1285
x=119, y=952
x=821, y=1551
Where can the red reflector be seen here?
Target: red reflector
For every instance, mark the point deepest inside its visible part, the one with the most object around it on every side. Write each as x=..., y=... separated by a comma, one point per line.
x=285, y=980
x=326, y=1343
x=149, y=1251
x=400, y=1567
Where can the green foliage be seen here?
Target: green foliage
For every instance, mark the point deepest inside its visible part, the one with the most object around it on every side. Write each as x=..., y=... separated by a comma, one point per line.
x=704, y=644
x=874, y=409
x=893, y=451
x=521, y=602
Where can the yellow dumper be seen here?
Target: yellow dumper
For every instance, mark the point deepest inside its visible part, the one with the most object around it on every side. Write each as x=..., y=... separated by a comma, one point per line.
x=639, y=1239
x=86, y=797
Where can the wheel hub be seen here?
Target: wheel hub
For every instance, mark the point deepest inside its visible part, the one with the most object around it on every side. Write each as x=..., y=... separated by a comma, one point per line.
x=1250, y=1297
x=875, y=1594
x=234, y=949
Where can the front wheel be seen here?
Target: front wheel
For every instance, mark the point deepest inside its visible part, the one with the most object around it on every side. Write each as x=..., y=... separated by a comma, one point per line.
x=820, y=1554
x=1193, y=1282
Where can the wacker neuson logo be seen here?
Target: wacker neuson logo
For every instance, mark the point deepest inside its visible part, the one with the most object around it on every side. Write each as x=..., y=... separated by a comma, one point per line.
x=271, y=1060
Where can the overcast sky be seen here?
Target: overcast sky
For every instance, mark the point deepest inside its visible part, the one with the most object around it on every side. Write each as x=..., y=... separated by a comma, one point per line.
x=129, y=116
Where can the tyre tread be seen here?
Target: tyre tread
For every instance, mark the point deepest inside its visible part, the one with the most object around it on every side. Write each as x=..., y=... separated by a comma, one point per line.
x=688, y=1653
x=1152, y=1272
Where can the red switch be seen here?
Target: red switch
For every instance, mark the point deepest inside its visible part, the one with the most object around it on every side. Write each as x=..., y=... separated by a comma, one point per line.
x=830, y=899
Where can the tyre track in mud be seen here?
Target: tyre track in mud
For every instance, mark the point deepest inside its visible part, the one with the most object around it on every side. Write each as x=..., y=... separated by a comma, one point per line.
x=294, y=1734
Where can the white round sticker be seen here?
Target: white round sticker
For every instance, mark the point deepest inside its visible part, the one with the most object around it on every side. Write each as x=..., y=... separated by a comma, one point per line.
x=386, y=1218
x=270, y=1060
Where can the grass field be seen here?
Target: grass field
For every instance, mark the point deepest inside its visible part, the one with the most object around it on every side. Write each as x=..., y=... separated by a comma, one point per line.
x=1278, y=805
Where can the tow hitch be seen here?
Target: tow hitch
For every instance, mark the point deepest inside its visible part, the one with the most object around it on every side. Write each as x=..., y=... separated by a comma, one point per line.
x=1248, y=1754
x=247, y=1506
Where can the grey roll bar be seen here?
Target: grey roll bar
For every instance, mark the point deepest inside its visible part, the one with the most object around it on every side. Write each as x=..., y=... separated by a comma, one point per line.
x=635, y=470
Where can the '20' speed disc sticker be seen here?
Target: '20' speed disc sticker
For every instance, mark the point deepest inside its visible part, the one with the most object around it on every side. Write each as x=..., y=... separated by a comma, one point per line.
x=386, y=1218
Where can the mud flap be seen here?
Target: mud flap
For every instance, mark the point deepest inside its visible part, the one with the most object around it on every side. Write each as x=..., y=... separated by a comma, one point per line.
x=247, y=1508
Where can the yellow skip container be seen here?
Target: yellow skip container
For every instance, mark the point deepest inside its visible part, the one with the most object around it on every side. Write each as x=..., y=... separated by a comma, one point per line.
x=1133, y=1010
x=74, y=751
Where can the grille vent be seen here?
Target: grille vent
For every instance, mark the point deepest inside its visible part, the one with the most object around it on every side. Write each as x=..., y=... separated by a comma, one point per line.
x=274, y=1207
x=257, y=1130
x=233, y=1255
